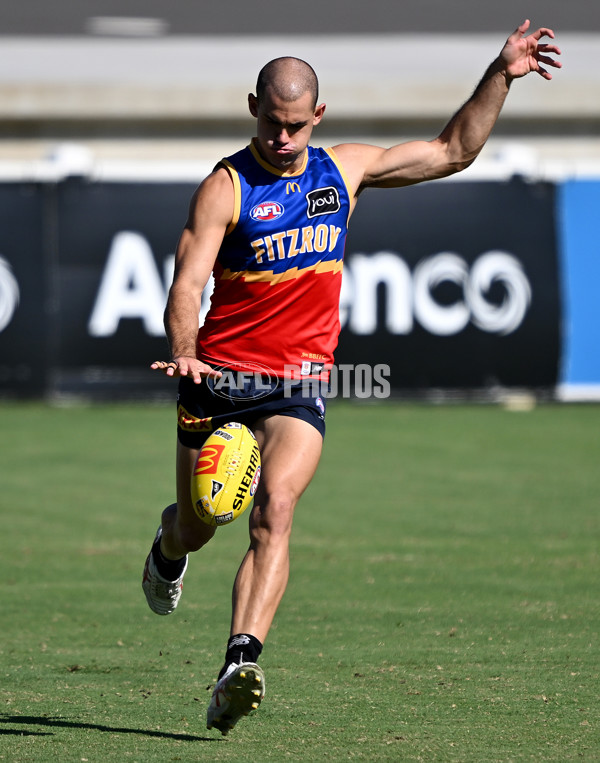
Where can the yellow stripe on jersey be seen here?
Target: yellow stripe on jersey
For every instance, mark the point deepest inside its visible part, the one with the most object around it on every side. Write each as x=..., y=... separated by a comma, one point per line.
x=237, y=195
x=345, y=178
x=269, y=276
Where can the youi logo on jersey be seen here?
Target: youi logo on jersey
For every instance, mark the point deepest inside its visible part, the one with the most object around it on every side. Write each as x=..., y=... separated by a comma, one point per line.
x=322, y=201
x=267, y=211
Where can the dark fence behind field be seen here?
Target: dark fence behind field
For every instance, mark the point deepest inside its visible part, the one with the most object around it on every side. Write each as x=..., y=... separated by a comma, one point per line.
x=455, y=288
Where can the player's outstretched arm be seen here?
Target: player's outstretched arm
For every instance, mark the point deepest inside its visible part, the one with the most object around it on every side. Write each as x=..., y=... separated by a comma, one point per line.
x=467, y=132
x=464, y=136
x=211, y=211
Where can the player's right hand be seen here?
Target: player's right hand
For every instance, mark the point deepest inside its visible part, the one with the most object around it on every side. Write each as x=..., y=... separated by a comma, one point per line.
x=186, y=366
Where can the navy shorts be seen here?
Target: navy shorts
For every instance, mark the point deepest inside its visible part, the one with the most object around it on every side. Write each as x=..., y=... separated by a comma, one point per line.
x=202, y=408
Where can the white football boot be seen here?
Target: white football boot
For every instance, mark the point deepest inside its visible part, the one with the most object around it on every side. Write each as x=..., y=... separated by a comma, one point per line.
x=162, y=595
x=240, y=691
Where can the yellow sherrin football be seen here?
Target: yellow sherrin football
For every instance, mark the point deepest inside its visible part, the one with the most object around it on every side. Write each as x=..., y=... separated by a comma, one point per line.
x=226, y=474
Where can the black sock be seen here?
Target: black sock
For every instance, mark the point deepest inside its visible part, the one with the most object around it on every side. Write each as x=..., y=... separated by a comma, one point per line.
x=169, y=569
x=242, y=647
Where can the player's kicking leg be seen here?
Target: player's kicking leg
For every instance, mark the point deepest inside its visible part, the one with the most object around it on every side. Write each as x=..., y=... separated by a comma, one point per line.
x=290, y=452
x=181, y=531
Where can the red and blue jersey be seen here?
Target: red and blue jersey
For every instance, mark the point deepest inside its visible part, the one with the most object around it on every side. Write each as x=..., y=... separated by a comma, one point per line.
x=279, y=270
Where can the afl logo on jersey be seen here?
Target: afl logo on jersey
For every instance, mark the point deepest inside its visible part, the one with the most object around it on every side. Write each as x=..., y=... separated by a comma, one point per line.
x=267, y=211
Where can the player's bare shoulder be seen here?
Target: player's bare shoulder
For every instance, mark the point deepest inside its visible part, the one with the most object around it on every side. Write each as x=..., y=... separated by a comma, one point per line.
x=213, y=201
x=356, y=158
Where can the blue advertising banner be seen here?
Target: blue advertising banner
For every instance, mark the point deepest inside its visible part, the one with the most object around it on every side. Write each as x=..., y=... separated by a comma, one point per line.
x=579, y=230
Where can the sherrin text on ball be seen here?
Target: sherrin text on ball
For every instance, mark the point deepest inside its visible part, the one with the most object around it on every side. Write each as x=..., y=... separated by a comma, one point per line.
x=226, y=474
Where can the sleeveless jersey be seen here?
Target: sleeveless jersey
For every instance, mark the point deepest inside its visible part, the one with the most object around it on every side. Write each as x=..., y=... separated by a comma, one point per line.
x=279, y=269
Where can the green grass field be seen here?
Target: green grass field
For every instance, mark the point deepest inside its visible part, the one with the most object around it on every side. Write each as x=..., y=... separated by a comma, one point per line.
x=444, y=603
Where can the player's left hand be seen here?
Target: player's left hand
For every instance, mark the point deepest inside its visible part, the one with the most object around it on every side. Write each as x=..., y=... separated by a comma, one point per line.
x=522, y=55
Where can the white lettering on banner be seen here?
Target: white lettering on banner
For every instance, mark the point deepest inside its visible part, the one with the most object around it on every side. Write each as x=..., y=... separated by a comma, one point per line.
x=412, y=296
x=505, y=269
x=9, y=293
x=443, y=320
x=134, y=286
x=131, y=287
x=359, y=299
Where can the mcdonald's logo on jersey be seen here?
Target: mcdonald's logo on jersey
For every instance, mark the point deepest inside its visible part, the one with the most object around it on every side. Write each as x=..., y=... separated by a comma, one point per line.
x=292, y=188
x=208, y=459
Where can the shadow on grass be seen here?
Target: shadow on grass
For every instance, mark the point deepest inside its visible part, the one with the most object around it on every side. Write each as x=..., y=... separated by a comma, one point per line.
x=32, y=720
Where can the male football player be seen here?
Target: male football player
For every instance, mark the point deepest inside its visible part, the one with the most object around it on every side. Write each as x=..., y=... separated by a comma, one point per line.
x=269, y=223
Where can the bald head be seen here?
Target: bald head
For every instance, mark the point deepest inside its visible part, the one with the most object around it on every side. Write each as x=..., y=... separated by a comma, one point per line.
x=289, y=79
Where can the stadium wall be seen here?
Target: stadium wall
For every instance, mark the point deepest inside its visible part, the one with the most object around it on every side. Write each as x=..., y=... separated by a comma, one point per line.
x=478, y=289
